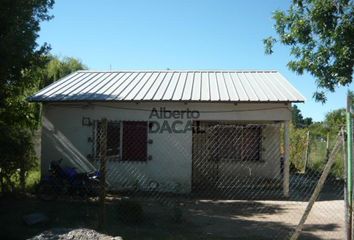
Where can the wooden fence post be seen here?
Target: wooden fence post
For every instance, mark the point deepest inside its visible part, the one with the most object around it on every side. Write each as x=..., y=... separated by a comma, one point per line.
x=286, y=171
x=316, y=192
x=307, y=150
x=103, y=159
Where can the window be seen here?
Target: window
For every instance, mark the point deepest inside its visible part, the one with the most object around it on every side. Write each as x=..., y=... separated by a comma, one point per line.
x=251, y=143
x=228, y=141
x=237, y=143
x=135, y=141
x=126, y=141
x=113, y=150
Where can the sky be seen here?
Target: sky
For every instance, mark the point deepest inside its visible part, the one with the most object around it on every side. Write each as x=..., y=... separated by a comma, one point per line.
x=177, y=35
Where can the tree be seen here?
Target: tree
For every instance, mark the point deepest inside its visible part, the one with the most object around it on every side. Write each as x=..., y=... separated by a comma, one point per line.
x=334, y=120
x=19, y=27
x=58, y=68
x=298, y=120
x=20, y=58
x=55, y=69
x=17, y=152
x=20, y=119
x=320, y=34
x=318, y=130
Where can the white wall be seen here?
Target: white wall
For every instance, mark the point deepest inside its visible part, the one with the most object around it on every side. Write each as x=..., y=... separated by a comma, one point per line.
x=268, y=167
x=209, y=172
x=63, y=136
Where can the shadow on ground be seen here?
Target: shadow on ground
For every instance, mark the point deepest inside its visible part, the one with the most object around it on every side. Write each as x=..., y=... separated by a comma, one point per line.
x=199, y=219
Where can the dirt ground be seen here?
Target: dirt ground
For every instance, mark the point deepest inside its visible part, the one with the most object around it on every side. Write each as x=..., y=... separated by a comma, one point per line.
x=198, y=218
x=269, y=219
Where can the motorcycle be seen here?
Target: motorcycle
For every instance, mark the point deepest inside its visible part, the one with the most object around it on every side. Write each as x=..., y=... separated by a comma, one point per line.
x=66, y=181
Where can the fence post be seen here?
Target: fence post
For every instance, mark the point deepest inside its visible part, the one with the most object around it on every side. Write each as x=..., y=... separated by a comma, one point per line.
x=307, y=150
x=349, y=166
x=345, y=169
x=286, y=174
x=103, y=156
x=316, y=192
x=327, y=146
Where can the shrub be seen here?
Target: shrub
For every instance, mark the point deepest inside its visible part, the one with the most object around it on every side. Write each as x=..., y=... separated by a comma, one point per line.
x=17, y=156
x=298, y=139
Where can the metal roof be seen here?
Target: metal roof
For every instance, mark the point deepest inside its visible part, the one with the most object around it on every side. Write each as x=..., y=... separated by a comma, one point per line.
x=214, y=86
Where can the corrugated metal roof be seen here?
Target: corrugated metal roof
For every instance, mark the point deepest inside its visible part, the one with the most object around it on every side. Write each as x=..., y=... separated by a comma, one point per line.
x=215, y=86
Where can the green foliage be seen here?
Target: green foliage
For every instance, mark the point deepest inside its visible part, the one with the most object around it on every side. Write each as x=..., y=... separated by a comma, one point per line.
x=24, y=67
x=16, y=152
x=21, y=57
x=20, y=24
x=318, y=130
x=335, y=120
x=320, y=133
x=318, y=152
x=58, y=68
x=320, y=34
x=298, y=120
x=32, y=180
x=298, y=140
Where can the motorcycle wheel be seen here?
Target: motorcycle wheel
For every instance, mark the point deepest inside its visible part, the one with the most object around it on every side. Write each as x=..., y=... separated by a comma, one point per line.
x=46, y=192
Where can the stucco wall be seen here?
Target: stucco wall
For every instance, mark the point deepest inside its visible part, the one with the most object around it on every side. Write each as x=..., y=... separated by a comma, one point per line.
x=64, y=136
x=209, y=171
x=268, y=167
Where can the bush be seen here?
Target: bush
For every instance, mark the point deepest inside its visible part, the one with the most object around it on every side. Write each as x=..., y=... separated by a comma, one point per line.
x=317, y=155
x=129, y=211
x=298, y=141
x=17, y=157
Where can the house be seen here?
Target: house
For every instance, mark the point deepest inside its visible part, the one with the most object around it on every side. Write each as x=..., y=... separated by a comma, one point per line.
x=173, y=131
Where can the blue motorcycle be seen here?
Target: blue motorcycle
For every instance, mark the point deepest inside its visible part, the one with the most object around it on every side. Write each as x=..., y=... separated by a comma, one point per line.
x=66, y=181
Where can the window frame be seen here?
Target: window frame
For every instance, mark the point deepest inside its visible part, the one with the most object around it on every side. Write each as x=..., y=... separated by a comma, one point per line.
x=241, y=156
x=259, y=143
x=95, y=144
x=119, y=157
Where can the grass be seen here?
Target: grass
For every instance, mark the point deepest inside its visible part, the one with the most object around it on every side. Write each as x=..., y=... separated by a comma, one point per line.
x=32, y=179
x=317, y=157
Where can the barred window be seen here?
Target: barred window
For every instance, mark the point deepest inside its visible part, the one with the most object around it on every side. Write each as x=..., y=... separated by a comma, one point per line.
x=252, y=143
x=237, y=143
x=113, y=150
x=126, y=141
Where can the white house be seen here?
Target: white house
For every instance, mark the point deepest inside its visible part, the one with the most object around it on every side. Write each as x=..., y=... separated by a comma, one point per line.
x=170, y=130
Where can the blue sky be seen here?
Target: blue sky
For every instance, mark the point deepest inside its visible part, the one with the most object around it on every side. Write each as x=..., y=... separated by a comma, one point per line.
x=179, y=34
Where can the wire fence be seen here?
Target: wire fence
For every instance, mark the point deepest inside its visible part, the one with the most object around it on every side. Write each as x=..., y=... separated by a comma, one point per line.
x=209, y=180
x=235, y=187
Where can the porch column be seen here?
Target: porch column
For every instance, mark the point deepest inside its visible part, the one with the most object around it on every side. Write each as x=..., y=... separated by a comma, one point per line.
x=286, y=170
